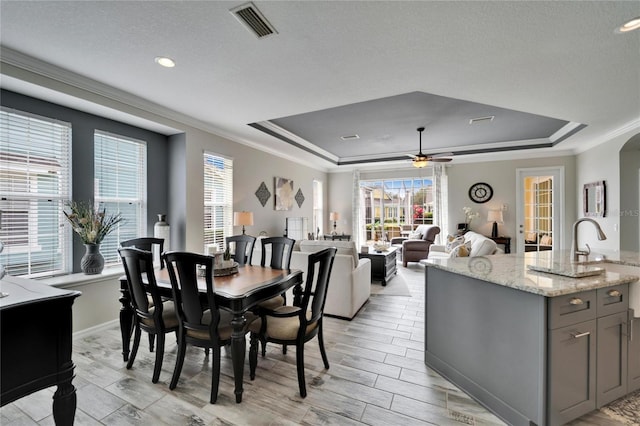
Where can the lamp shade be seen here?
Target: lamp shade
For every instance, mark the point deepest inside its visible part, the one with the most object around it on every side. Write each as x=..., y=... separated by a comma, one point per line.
x=420, y=162
x=334, y=216
x=495, y=216
x=242, y=218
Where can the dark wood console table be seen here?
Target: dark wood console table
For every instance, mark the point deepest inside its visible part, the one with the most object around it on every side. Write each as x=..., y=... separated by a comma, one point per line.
x=36, y=344
x=506, y=241
x=339, y=237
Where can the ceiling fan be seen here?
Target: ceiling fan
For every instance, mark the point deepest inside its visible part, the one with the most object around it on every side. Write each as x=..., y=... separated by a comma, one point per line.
x=420, y=160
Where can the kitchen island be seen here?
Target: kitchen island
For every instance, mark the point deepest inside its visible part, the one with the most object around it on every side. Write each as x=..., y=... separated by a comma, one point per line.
x=534, y=347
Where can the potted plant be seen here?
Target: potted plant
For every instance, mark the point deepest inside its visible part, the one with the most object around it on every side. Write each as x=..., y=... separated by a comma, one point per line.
x=92, y=225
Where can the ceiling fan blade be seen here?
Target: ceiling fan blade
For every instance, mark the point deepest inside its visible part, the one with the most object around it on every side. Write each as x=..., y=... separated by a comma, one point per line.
x=442, y=154
x=439, y=160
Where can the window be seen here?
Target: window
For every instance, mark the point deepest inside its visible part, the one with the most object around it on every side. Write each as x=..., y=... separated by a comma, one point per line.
x=394, y=206
x=120, y=185
x=318, y=211
x=35, y=154
x=218, y=199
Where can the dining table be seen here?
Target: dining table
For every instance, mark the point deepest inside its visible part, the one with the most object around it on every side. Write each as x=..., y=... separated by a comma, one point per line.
x=236, y=293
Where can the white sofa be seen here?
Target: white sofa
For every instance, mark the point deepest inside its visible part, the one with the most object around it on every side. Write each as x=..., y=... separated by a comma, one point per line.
x=480, y=246
x=350, y=282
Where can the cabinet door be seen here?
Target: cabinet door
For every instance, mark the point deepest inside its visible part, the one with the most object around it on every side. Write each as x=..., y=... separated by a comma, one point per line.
x=572, y=372
x=611, y=358
x=633, y=382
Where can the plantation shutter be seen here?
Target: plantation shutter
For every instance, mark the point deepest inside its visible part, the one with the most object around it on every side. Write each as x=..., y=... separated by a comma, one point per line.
x=120, y=185
x=35, y=182
x=218, y=199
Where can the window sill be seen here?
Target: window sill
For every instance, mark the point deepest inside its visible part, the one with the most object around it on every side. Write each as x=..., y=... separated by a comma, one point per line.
x=78, y=279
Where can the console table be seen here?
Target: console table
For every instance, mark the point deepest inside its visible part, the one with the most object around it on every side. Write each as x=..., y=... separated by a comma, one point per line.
x=503, y=240
x=36, y=344
x=339, y=237
x=383, y=264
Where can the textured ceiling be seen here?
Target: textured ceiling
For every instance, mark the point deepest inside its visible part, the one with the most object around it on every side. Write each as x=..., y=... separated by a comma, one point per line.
x=556, y=59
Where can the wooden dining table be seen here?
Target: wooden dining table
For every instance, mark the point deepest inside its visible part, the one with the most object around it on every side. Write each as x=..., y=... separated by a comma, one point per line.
x=236, y=293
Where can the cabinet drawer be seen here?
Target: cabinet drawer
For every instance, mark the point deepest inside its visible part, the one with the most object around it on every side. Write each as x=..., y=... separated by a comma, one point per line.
x=612, y=300
x=571, y=309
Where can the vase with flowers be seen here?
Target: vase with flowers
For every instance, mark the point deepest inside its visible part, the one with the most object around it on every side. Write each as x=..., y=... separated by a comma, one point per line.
x=92, y=225
x=469, y=215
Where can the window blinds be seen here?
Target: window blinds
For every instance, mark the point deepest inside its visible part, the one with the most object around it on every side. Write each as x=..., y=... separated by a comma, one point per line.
x=120, y=185
x=218, y=199
x=35, y=173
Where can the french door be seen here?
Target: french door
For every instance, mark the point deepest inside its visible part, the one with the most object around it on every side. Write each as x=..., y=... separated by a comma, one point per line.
x=539, y=199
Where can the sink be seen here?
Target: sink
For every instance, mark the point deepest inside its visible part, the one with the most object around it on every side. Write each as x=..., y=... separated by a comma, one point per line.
x=569, y=270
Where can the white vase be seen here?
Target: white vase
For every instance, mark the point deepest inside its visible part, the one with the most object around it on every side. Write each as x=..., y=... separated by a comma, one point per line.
x=161, y=229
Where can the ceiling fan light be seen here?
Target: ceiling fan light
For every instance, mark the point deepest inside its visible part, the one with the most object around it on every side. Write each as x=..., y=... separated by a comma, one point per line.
x=420, y=162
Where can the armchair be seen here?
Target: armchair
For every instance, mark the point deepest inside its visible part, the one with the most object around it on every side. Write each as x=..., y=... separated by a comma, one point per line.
x=414, y=250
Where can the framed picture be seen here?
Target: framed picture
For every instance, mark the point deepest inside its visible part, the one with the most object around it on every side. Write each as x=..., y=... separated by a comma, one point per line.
x=284, y=193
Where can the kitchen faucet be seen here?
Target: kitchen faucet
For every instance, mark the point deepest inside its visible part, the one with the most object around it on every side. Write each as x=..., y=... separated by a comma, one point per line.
x=575, y=251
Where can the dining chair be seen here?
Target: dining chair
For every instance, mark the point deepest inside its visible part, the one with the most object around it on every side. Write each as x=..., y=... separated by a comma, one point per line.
x=201, y=322
x=281, y=249
x=296, y=325
x=157, y=318
x=148, y=244
x=243, y=250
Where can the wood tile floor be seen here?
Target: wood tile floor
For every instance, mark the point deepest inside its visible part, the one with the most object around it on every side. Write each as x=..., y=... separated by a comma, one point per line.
x=377, y=377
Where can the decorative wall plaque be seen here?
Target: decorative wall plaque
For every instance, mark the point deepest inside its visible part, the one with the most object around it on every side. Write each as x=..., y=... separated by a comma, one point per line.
x=299, y=197
x=263, y=194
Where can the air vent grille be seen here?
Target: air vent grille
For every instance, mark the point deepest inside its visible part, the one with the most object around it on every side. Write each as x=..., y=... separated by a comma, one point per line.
x=479, y=120
x=349, y=137
x=249, y=15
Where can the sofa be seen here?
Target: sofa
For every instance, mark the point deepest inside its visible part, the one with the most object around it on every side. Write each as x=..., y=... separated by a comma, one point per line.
x=350, y=282
x=478, y=243
x=417, y=248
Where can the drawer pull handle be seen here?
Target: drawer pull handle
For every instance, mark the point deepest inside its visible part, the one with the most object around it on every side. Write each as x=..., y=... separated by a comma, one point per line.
x=613, y=293
x=576, y=301
x=578, y=335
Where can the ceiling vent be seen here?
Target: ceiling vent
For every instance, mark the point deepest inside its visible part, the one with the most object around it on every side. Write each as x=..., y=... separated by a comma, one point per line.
x=479, y=120
x=249, y=15
x=349, y=137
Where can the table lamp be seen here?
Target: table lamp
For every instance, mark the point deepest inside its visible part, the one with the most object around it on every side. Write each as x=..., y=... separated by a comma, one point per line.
x=494, y=216
x=334, y=216
x=243, y=218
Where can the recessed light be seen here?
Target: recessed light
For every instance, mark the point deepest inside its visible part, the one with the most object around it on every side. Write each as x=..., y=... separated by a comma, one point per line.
x=165, y=62
x=630, y=25
x=349, y=137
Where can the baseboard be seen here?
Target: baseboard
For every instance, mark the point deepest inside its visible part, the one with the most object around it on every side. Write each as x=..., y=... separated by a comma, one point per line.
x=91, y=330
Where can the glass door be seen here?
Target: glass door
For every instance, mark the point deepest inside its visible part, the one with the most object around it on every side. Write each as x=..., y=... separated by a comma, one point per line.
x=539, y=207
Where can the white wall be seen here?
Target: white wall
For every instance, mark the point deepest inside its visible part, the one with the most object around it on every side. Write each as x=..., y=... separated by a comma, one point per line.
x=250, y=168
x=339, y=195
x=603, y=163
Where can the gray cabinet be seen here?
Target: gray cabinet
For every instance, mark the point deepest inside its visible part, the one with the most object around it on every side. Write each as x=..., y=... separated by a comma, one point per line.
x=572, y=372
x=633, y=373
x=588, y=351
x=611, y=358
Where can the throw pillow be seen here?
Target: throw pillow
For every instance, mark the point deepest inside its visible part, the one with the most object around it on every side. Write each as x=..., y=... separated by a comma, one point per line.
x=453, y=242
x=415, y=236
x=463, y=250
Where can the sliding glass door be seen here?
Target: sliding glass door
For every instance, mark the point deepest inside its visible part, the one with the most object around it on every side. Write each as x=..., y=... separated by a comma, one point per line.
x=394, y=207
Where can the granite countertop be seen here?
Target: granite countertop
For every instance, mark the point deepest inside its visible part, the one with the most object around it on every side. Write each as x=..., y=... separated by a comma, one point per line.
x=512, y=270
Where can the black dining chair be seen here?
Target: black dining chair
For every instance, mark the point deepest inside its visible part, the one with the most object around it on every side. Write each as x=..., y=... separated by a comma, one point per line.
x=201, y=322
x=157, y=318
x=148, y=244
x=281, y=249
x=243, y=248
x=296, y=325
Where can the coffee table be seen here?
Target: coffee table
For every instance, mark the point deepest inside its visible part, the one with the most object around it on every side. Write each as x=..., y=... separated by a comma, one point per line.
x=383, y=264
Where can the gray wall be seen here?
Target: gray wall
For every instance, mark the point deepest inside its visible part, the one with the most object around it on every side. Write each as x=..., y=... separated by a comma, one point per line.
x=83, y=126
x=630, y=195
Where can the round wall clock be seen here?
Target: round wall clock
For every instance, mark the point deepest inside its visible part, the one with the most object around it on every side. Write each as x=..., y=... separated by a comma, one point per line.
x=480, y=192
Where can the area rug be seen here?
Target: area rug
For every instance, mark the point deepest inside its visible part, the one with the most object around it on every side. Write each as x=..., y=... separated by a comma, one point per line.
x=625, y=410
x=396, y=286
